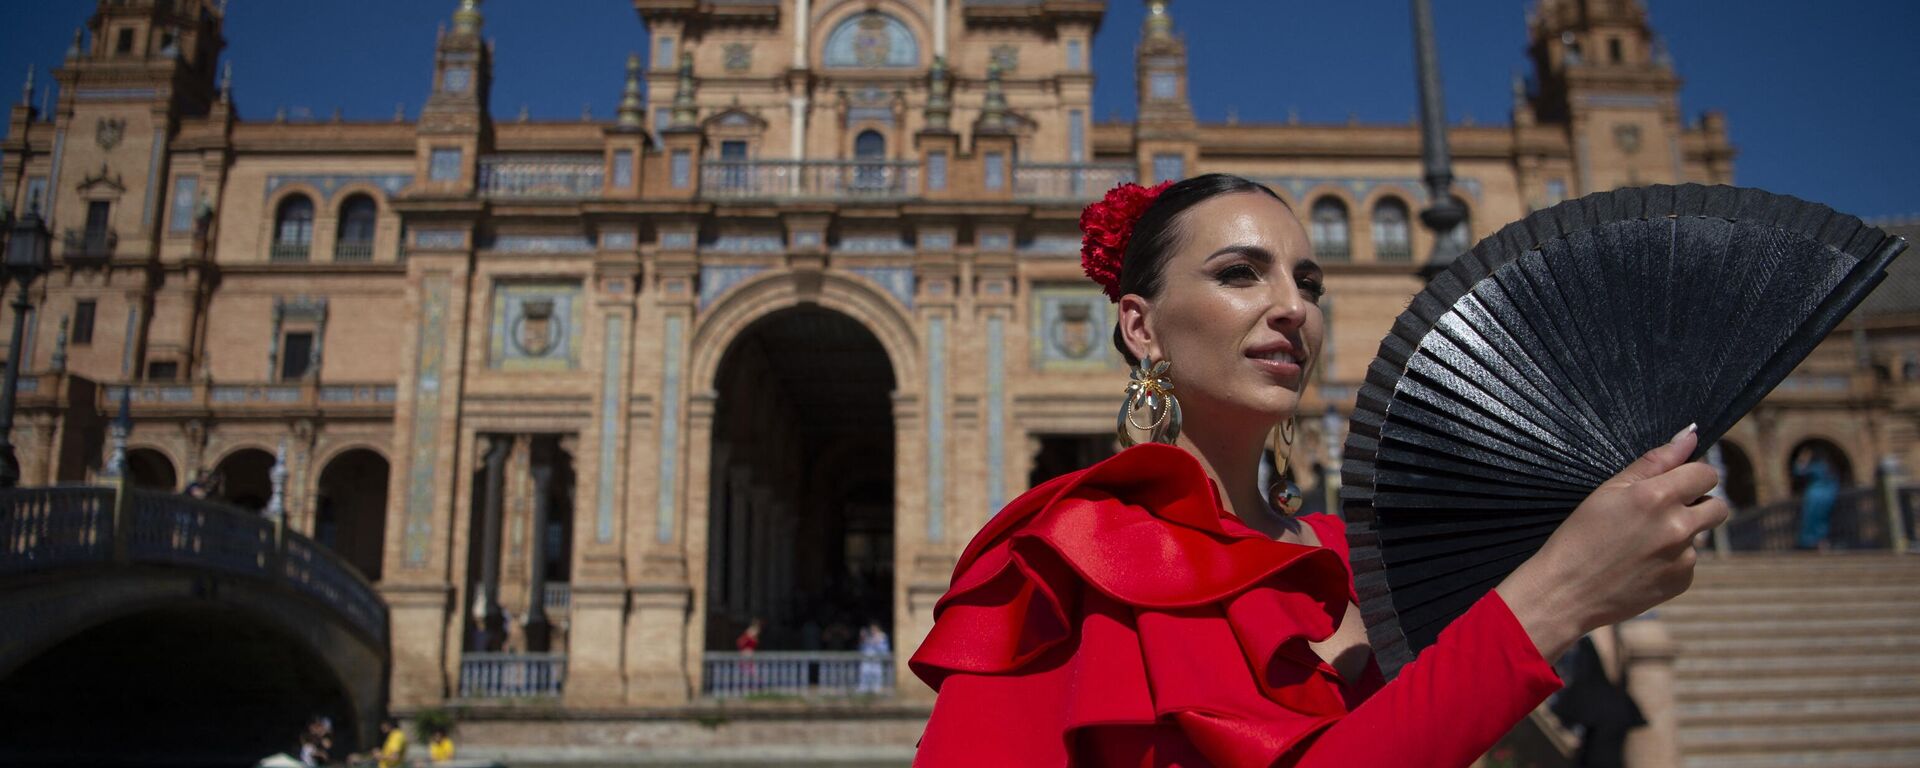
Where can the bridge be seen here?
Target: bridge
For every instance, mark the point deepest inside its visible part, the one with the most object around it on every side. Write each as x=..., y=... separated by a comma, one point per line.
x=138, y=626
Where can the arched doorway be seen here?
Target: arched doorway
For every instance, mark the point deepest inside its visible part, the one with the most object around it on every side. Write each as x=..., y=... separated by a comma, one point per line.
x=870, y=148
x=350, y=510
x=245, y=478
x=1817, y=451
x=151, y=469
x=800, y=513
x=1738, y=480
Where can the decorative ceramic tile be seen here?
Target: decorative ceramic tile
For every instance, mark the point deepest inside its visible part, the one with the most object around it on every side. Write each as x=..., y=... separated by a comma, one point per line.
x=535, y=327
x=1072, y=329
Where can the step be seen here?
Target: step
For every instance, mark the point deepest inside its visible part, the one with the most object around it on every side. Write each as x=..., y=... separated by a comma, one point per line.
x=1829, y=758
x=1865, y=664
x=1790, y=710
x=1875, y=594
x=1689, y=628
x=1775, y=646
x=1722, y=740
x=1712, y=611
x=1728, y=688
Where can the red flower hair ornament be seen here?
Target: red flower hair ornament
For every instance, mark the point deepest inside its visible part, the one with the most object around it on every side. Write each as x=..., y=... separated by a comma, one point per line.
x=1105, y=228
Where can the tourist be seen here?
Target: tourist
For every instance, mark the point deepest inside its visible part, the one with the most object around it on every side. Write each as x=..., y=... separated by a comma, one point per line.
x=747, y=643
x=1162, y=608
x=874, y=652
x=440, y=746
x=393, y=746
x=316, y=742
x=1816, y=502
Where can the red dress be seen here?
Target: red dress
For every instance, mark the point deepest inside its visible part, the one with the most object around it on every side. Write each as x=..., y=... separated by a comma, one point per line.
x=1119, y=616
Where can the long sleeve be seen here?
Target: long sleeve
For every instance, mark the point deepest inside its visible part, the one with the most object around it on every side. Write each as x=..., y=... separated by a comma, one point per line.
x=1449, y=706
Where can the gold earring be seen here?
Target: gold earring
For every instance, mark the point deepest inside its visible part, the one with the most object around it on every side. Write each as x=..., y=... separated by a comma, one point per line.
x=1152, y=389
x=1283, y=495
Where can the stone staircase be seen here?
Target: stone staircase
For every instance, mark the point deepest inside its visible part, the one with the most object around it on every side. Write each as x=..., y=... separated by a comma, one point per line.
x=1798, y=660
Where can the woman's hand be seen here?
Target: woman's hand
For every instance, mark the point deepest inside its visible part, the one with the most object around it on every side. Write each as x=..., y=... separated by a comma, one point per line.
x=1627, y=548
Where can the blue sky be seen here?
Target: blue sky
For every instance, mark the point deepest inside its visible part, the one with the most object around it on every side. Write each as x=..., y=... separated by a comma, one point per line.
x=1821, y=98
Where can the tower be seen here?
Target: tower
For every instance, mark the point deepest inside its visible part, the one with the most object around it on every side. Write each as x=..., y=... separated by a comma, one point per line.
x=1160, y=64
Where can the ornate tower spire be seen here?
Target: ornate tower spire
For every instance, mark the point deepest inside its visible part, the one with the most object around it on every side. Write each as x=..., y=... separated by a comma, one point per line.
x=78, y=46
x=684, y=112
x=631, y=108
x=468, y=20
x=1159, y=23
x=939, y=96
x=993, y=113
x=226, y=81
x=26, y=91
x=1160, y=62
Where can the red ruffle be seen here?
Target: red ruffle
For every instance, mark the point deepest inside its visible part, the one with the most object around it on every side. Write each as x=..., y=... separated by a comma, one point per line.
x=1121, y=601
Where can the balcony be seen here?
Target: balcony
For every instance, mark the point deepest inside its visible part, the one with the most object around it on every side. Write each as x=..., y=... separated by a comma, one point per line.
x=1394, y=253
x=95, y=245
x=1068, y=182
x=512, y=675
x=1335, y=252
x=809, y=180
x=353, y=252
x=156, y=398
x=803, y=674
x=541, y=177
x=288, y=252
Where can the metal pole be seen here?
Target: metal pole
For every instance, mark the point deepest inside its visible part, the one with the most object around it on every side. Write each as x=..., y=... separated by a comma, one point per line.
x=1443, y=213
x=9, y=463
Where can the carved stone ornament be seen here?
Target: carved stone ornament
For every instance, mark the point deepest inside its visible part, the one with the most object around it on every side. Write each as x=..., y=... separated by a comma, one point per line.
x=536, y=330
x=1072, y=329
x=1628, y=137
x=739, y=57
x=109, y=131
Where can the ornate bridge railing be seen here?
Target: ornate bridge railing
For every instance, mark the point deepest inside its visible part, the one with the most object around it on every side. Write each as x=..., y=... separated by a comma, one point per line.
x=1857, y=520
x=83, y=526
x=809, y=179
x=512, y=675
x=732, y=675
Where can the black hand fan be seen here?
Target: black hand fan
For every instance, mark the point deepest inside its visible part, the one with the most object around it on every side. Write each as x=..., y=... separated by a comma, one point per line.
x=1556, y=352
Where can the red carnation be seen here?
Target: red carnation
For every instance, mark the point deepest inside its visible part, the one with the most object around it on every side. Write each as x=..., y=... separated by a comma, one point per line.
x=1106, y=226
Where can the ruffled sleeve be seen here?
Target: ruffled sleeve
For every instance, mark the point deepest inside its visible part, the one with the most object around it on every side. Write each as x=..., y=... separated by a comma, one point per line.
x=1116, y=615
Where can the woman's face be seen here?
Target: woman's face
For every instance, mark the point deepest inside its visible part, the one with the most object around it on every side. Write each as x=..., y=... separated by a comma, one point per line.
x=1238, y=312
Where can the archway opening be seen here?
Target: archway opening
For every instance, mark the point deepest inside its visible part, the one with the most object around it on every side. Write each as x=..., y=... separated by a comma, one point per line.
x=1816, y=458
x=1738, y=480
x=350, y=512
x=151, y=469
x=245, y=478
x=199, y=684
x=1060, y=454
x=801, y=512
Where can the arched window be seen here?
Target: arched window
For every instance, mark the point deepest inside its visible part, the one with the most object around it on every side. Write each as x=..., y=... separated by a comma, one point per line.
x=293, y=229
x=871, y=40
x=1392, y=238
x=1330, y=230
x=870, y=149
x=355, y=240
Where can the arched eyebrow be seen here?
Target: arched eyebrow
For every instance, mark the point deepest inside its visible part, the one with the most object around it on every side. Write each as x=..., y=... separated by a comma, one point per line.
x=1252, y=252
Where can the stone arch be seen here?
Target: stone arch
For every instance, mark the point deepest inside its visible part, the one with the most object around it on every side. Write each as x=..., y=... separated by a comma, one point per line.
x=828, y=20
x=762, y=295
x=1839, y=462
x=1739, y=480
x=152, y=468
x=270, y=222
x=245, y=477
x=350, y=507
x=1342, y=248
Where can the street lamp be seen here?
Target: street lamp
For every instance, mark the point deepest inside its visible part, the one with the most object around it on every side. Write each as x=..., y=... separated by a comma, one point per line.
x=1443, y=212
x=26, y=259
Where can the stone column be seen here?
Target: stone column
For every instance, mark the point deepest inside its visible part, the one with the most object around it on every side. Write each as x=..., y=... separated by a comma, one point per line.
x=496, y=460
x=537, y=627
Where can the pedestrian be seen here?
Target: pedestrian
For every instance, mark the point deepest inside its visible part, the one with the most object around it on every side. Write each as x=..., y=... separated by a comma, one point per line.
x=875, y=650
x=440, y=746
x=746, y=644
x=1816, y=502
x=393, y=746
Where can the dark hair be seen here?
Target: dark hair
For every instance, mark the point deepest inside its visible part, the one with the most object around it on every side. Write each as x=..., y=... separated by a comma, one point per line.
x=1154, y=236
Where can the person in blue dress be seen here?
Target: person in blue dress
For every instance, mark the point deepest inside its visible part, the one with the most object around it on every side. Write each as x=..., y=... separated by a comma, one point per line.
x=1816, y=505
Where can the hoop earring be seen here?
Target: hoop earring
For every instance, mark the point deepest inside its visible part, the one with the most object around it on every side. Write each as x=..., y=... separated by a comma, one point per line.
x=1283, y=495
x=1152, y=389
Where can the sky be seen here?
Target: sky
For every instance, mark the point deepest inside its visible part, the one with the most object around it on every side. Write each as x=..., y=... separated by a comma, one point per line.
x=1822, y=99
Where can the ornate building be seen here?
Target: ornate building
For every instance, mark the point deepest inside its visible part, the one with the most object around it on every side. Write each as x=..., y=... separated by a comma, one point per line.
x=772, y=343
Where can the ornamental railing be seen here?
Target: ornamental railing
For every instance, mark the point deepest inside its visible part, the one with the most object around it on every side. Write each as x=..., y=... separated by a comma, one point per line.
x=90, y=244
x=346, y=251
x=778, y=674
x=1070, y=182
x=1858, y=519
x=809, y=179
x=289, y=251
x=203, y=394
x=74, y=526
x=542, y=177
x=512, y=675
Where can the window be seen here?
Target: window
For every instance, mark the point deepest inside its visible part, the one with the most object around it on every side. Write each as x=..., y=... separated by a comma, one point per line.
x=83, y=312
x=163, y=370
x=99, y=215
x=869, y=40
x=1392, y=236
x=996, y=171
x=1076, y=56
x=125, y=42
x=1076, y=136
x=682, y=169
x=871, y=148
x=662, y=52
x=623, y=168
x=296, y=355
x=180, y=212
x=1163, y=85
x=1614, y=53
x=733, y=157
x=1169, y=167
x=355, y=237
x=937, y=170
x=293, y=229
x=1329, y=230
x=444, y=164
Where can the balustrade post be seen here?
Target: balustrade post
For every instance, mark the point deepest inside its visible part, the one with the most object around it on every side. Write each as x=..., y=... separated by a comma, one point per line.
x=122, y=517
x=1889, y=490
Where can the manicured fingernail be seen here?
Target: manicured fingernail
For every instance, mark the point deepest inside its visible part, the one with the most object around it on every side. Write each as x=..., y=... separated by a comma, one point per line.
x=1683, y=433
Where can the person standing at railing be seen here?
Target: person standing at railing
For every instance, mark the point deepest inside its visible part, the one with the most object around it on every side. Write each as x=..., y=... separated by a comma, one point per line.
x=746, y=644
x=874, y=650
x=1816, y=505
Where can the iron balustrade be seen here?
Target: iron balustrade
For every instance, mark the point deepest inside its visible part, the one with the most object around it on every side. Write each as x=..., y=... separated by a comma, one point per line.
x=512, y=675
x=1334, y=252
x=1394, y=252
x=77, y=526
x=91, y=244
x=559, y=597
x=733, y=675
x=809, y=179
x=345, y=251
x=286, y=252
x=1070, y=182
x=1857, y=520
x=542, y=177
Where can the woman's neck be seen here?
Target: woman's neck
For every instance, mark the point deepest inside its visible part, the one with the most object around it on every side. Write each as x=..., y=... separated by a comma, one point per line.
x=1231, y=458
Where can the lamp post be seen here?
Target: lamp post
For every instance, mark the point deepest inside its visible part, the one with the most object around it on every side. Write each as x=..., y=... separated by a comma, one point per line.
x=26, y=258
x=1443, y=213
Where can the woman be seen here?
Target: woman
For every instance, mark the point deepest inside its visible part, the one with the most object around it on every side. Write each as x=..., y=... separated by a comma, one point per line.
x=1161, y=609
x=1816, y=502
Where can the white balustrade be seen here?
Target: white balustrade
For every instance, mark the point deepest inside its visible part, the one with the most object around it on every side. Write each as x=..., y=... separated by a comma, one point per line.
x=775, y=674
